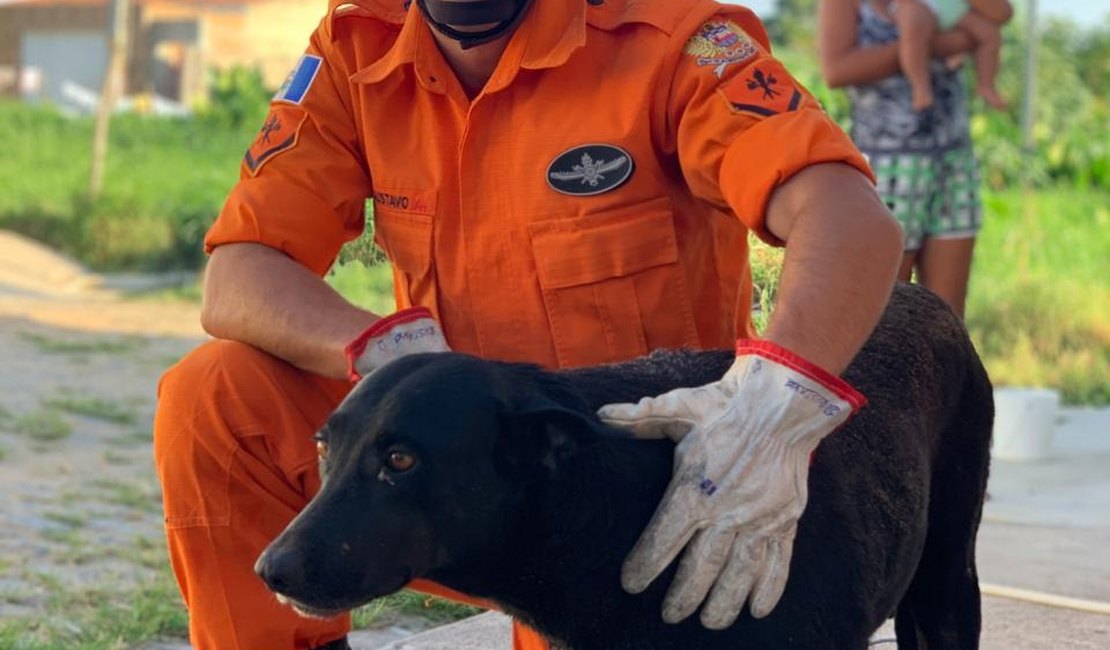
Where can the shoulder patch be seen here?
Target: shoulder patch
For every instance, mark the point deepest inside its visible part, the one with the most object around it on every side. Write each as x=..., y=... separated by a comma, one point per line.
x=278, y=133
x=764, y=89
x=720, y=43
x=299, y=80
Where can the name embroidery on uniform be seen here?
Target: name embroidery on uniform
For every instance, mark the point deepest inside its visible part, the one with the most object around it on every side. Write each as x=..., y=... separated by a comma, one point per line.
x=406, y=200
x=720, y=43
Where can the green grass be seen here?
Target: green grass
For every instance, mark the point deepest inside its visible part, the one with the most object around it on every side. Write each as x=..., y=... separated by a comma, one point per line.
x=76, y=347
x=115, y=458
x=90, y=406
x=108, y=618
x=132, y=438
x=384, y=611
x=158, y=197
x=1039, y=303
x=141, y=498
x=65, y=536
x=69, y=519
x=369, y=287
x=43, y=425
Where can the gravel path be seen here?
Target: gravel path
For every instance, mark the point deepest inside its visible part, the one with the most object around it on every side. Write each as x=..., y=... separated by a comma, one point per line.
x=81, y=507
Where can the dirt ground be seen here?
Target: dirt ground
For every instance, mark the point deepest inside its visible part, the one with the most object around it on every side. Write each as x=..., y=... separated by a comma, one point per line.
x=76, y=401
x=80, y=356
x=80, y=360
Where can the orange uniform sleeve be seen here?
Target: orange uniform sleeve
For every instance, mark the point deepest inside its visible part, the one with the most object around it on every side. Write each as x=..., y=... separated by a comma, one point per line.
x=304, y=182
x=741, y=124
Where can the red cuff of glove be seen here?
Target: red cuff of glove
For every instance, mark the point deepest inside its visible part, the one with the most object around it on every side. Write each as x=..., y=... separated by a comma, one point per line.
x=356, y=347
x=782, y=356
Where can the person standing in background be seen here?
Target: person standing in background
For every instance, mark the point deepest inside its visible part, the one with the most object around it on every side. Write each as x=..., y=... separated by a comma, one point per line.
x=926, y=173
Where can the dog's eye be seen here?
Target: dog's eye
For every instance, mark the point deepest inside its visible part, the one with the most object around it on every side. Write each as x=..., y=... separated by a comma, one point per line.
x=399, y=461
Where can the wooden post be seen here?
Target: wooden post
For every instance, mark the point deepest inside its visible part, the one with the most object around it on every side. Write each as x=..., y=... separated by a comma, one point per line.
x=1028, y=108
x=119, y=24
x=1028, y=142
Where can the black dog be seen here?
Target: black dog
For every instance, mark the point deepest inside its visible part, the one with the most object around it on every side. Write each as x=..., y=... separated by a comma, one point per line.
x=497, y=480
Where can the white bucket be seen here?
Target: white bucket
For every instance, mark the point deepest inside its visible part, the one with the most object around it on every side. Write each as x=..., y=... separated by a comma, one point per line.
x=1024, y=423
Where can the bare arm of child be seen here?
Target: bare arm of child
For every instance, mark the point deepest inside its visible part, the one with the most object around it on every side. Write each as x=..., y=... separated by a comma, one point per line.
x=845, y=63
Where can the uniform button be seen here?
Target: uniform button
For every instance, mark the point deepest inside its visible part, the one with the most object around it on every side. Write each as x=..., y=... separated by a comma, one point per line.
x=595, y=3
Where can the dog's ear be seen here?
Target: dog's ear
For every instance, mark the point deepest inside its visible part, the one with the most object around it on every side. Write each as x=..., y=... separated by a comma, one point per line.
x=539, y=433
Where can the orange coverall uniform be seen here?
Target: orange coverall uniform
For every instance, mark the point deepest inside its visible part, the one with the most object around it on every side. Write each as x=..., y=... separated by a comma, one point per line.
x=591, y=204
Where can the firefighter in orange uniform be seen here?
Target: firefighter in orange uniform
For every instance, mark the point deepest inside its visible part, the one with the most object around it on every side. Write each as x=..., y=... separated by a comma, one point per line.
x=563, y=182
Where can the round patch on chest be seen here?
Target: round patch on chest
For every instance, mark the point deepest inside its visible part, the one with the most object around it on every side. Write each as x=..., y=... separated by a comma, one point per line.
x=590, y=169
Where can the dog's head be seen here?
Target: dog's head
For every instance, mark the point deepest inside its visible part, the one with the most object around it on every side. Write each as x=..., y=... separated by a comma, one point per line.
x=425, y=465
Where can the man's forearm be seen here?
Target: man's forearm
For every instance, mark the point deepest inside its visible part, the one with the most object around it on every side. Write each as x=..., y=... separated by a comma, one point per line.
x=842, y=255
x=257, y=295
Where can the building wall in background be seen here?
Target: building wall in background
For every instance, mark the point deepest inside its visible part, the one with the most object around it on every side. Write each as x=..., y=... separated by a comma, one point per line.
x=79, y=18
x=173, y=44
x=277, y=34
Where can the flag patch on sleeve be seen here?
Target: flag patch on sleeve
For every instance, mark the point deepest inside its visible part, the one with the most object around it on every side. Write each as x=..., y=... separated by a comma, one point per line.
x=278, y=133
x=719, y=43
x=298, y=82
x=765, y=88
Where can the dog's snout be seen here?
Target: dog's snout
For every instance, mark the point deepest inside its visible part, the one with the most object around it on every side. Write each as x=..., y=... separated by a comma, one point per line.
x=282, y=568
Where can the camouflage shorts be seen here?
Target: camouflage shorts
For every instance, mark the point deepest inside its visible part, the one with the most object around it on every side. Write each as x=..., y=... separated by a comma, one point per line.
x=931, y=194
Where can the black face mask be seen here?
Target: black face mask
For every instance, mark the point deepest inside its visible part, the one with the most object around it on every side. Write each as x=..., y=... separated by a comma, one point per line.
x=442, y=14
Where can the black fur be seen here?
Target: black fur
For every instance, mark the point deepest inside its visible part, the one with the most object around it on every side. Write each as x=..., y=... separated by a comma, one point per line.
x=521, y=496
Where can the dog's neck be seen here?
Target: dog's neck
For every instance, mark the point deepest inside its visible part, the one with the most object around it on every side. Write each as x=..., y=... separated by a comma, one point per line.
x=554, y=574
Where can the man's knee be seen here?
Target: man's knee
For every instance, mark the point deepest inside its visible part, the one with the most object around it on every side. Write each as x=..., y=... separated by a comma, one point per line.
x=213, y=367
x=226, y=399
x=200, y=406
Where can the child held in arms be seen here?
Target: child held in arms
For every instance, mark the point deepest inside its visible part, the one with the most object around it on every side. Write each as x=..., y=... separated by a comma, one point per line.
x=919, y=20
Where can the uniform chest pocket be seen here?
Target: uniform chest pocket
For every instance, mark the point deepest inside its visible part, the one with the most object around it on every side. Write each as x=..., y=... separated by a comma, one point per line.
x=406, y=239
x=612, y=284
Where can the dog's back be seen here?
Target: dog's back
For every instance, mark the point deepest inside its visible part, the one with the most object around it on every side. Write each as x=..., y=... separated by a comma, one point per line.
x=534, y=507
x=895, y=496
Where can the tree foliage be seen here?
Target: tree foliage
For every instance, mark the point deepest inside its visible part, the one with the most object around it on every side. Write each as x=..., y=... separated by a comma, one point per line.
x=794, y=25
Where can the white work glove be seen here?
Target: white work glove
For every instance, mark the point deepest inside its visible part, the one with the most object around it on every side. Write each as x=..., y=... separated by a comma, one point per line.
x=739, y=486
x=404, y=332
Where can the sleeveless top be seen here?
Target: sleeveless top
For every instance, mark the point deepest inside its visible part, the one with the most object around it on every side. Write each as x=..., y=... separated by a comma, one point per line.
x=883, y=119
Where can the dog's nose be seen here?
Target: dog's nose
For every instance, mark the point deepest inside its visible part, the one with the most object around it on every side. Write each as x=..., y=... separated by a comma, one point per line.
x=281, y=568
